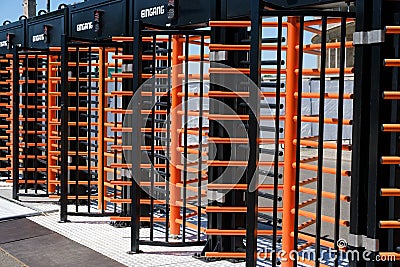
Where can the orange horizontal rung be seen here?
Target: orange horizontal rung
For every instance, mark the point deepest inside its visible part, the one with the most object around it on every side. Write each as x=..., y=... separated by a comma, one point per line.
x=227, y=140
x=315, y=119
x=142, y=201
x=308, y=181
x=236, y=117
x=214, y=186
x=317, y=72
x=220, y=163
x=242, y=71
x=326, y=95
x=122, y=93
x=22, y=181
x=239, y=232
x=325, y=144
x=328, y=46
x=389, y=224
x=306, y=224
x=307, y=202
x=392, y=29
x=323, y=217
x=390, y=192
x=242, y=47
x=194, y=57
x=33, y=169
x=391, y=127
x=235, y=23
x=324, y=169
x=392, y=62
x=390, y=160
x=192, y=151
x=325, y=194
x=307, y=160
x=215, y=209
x=391, y=95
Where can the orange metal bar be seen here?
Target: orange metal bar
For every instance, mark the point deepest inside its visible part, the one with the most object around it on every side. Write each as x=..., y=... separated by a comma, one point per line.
x=226, y=47
x=310, y=167
x=325, y=194
x=317, y=72
x=176, y=123
x=327, y=95
x=328, y=46
x=240, y=186
x=390, y=160
x=289, y=178
x=390, y=192
x=212, y=209
x=391, y=95
x=389, y=224
x=326, y=144
x=102, y=130
x=392, y=29
x=392, y=62
x=52, y=115
x=391, y=127
x=315, y=119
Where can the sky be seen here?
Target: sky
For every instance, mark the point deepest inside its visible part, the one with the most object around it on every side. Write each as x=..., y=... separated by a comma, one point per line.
x=12, y=9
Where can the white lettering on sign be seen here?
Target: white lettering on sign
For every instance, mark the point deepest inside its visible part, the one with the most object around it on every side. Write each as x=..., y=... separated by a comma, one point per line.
x=38, y=38
x=84, y=26
x=152, y=11
x=3, y=43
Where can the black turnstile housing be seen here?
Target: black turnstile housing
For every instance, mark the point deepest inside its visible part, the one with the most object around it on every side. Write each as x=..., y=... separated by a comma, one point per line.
x=12, y=34
x=187, y=13
x=45, y=31
x=99, y=19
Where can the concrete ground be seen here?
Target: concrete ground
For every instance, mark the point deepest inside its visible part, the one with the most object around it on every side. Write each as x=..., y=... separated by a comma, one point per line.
x=8, y=260
x=113, y=243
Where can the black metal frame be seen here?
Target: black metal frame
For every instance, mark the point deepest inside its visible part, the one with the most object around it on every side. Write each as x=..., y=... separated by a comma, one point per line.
x=78, y=131
x=156, y=103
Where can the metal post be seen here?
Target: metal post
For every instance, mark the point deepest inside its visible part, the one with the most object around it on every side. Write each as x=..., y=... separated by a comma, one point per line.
x=253, y=133
x=64, y=129
x=136, y=139
x=289, y=172
x=176, y=123
x=15, y=124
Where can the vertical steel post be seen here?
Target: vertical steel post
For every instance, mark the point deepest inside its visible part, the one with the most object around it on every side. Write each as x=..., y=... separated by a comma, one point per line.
x=136, y=138
x=253, y=133
x=15, y=124
x=64, y=129
x=176, y=123
x=289, y=173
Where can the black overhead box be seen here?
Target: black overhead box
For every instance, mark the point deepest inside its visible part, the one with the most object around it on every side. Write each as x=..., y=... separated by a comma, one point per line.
x=45, y=31
x=99, y=19
x=173, y=13
x=12, y=34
